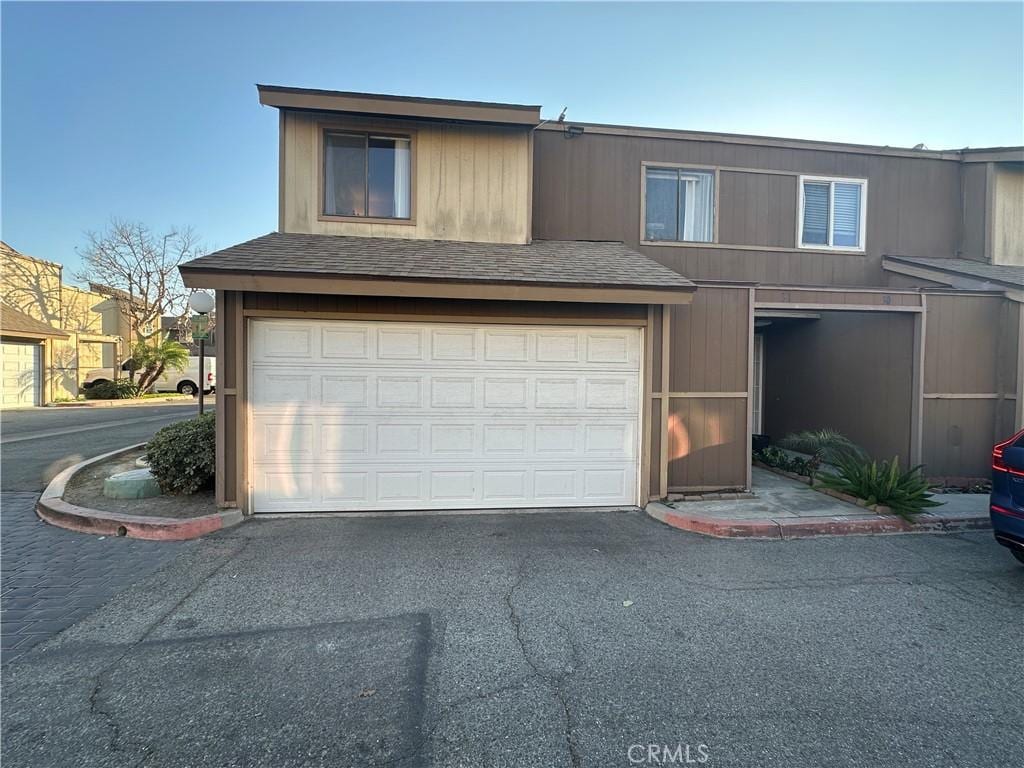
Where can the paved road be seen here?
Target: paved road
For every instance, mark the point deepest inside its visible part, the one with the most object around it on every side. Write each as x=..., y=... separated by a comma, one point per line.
x=36, y=443
x=49, y=577
x=568, y=639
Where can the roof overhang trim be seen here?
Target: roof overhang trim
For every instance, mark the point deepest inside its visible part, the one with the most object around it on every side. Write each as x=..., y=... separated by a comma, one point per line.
x=380, y=105
x=278, y=282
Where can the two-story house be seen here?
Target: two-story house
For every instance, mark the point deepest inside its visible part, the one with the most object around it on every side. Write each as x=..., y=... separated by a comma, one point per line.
x=466, y=306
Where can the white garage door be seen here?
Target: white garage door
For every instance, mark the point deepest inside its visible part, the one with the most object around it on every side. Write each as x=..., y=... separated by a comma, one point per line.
x=21, y=374
x=371, y=416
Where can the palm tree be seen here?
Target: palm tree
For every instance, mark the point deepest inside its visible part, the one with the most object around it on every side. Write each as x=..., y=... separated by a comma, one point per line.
x=152, y=360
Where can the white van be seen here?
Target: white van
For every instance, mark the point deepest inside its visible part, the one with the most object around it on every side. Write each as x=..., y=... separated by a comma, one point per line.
x=186, y=382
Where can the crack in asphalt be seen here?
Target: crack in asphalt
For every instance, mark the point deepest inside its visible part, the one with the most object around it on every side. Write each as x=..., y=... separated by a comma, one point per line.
x=555, y=682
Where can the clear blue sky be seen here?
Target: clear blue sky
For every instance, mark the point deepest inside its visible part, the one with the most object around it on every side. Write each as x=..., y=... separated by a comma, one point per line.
x=149, y=111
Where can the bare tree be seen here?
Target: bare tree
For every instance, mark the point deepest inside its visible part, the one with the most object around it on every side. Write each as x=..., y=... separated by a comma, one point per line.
x=138, y=269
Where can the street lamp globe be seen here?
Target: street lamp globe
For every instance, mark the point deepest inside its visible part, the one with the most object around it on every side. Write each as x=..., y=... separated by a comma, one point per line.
x=201, y=303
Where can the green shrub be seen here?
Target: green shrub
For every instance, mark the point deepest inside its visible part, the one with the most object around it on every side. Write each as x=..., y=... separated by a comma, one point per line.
x=905, y=493
x=182, y=456
x=121, y=389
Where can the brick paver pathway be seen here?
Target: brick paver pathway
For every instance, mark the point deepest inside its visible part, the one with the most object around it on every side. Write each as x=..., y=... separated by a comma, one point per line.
x=50, y=578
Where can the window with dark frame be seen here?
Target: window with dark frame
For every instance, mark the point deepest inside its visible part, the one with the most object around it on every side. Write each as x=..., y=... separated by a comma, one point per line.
x=367, y=175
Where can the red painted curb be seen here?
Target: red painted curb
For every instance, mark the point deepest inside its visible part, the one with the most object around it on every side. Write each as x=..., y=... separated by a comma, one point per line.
x=801, y=528
x=64, y=515
x=714, y=526
x=52, y=509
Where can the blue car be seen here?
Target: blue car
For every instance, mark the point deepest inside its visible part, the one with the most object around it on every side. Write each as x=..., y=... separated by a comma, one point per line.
x=1006, y=504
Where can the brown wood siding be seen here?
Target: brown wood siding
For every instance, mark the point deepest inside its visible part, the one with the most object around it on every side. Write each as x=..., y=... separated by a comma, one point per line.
x=423, y=308
x=708, y=353
x=707, y=440
x=757, y=209
x=229, y=309
x=957, y=437
x=654, y=474
x=709, y=342
x=975, y=195
x=850, y=371
x=589, y=188
x=781, y=296
x=962, y=344
x=971, y=348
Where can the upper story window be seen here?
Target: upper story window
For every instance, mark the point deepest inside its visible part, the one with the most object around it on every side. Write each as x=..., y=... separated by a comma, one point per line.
x=679, y=205
x=367, y=175
x=832, y=213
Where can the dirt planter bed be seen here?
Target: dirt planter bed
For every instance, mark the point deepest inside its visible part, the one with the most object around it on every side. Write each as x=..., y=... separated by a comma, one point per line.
x=74, y=500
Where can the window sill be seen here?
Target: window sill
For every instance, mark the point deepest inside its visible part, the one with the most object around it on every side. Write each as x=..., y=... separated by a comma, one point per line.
x=763, y=248
x=368, y=220
x=829, y=249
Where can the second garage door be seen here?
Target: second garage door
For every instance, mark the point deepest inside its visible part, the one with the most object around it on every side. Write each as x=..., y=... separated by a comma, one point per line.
x=349, y=416
x=22, y=374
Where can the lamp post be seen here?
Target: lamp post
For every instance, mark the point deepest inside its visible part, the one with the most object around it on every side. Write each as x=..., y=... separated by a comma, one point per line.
x=202, y=304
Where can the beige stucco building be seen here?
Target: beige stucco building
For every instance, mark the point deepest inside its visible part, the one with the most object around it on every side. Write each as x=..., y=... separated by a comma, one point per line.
x=52, y=333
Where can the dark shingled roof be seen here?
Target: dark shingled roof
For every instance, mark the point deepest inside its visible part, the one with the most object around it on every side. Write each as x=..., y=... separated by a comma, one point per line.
x=550, y=262
x=14, y=322
x=977, y=270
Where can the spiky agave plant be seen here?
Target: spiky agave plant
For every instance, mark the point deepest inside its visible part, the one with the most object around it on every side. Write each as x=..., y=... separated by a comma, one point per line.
x=905, y=493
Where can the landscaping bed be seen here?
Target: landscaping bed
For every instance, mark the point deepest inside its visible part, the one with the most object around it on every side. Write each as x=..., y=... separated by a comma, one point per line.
x=85, y=489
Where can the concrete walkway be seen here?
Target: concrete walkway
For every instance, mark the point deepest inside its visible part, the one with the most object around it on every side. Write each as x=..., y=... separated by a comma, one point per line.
x=786, y=508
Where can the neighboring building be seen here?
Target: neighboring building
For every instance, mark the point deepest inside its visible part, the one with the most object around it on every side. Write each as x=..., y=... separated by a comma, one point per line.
x=52, y=333
x=179, y=329
x=466, y=306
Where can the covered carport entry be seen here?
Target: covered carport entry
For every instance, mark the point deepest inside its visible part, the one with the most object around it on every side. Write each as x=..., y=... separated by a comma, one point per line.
x=931, y=375
x=849, y=360
x=852, y=371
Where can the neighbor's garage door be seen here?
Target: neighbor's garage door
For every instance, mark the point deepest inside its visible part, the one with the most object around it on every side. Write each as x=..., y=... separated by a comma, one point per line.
x=361, y=416
x=22, y=374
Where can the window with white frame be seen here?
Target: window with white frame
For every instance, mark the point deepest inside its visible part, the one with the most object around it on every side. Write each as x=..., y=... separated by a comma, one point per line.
x=832, y=213
x=679, y=205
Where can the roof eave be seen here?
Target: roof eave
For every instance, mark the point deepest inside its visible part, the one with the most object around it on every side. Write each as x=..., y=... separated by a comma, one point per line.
x=385, y=105
x=499, y=290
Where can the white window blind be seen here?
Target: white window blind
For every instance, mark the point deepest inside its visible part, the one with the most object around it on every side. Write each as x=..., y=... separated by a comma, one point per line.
x=832, y=213
x=846, y=214
x=815, y=214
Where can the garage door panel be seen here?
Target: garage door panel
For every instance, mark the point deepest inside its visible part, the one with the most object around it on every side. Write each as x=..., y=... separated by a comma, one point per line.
x=403, y=416
x=385, y=438
x=439, y=486
x=331, y=341
x=325, y=389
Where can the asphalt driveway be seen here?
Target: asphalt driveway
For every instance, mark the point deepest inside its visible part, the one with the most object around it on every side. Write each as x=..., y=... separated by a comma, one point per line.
x=535, y=640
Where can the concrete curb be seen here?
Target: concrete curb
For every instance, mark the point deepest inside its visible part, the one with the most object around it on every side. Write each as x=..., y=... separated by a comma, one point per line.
x=802, y=528
x=125, y=403
x=52, y=508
